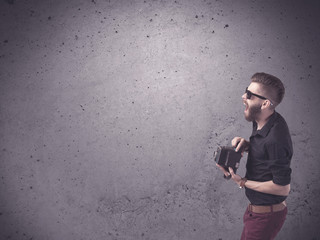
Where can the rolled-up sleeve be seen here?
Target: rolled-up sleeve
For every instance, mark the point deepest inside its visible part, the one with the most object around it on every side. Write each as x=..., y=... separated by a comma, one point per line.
x=279, y=163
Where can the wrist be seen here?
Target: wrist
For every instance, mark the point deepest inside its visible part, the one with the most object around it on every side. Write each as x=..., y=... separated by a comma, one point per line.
x=243, y=182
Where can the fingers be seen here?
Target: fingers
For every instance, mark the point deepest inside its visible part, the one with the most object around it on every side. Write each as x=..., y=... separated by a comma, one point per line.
x=223, y=170
x=234, y=176
x=235, y=141
x=229, y=174
x=238, y=143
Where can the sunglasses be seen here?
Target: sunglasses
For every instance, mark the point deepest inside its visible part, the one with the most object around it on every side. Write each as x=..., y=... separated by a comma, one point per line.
x=249, y=95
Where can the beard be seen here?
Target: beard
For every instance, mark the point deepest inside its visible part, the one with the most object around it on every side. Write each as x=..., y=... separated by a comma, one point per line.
x=252, y=113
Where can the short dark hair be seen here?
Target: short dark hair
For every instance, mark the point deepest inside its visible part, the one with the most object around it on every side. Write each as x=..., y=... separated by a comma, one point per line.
x=272, y=85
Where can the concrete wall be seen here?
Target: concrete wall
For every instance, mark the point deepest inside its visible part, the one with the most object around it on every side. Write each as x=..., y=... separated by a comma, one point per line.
x=110, y=112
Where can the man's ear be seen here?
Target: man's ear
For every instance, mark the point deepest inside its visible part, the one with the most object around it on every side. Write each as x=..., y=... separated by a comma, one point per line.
x=265, y=104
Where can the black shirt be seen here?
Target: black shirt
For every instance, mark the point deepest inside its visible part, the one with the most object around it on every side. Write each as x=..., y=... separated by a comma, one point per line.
x=269, y=158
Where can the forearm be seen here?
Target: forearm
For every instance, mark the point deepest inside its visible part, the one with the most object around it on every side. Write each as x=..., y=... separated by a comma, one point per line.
x=268, y=187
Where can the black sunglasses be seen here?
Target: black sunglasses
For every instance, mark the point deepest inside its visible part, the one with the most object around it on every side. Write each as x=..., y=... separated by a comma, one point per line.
x=249, y=94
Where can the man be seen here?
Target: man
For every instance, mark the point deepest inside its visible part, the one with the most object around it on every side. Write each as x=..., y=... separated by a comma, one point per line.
x=268, y=172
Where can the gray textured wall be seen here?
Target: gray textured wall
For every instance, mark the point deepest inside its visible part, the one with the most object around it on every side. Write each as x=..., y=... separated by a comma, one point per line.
x=110, y=112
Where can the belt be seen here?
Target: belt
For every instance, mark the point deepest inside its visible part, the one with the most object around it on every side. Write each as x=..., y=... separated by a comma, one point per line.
x=267, y=209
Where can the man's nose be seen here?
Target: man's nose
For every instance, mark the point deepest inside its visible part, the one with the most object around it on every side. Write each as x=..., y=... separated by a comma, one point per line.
x=244, y=96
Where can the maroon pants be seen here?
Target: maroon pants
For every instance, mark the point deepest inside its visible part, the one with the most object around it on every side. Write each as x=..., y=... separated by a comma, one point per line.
x=262, y=226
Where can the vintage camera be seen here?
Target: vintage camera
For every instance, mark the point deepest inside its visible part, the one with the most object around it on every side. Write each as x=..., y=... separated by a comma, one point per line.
x=227, y=157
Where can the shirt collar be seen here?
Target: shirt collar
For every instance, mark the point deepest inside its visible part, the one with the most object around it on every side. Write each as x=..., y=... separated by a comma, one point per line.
x=266, y=128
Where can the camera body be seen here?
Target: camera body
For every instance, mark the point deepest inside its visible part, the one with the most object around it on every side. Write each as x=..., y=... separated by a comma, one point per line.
x=227, y=157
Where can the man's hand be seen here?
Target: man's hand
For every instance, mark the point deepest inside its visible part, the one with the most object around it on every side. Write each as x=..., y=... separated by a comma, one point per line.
x=240, y=143
x=223, y=170
x=236, y=178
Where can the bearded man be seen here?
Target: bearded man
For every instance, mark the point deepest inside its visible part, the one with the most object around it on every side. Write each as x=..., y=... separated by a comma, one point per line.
x=268, y=172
